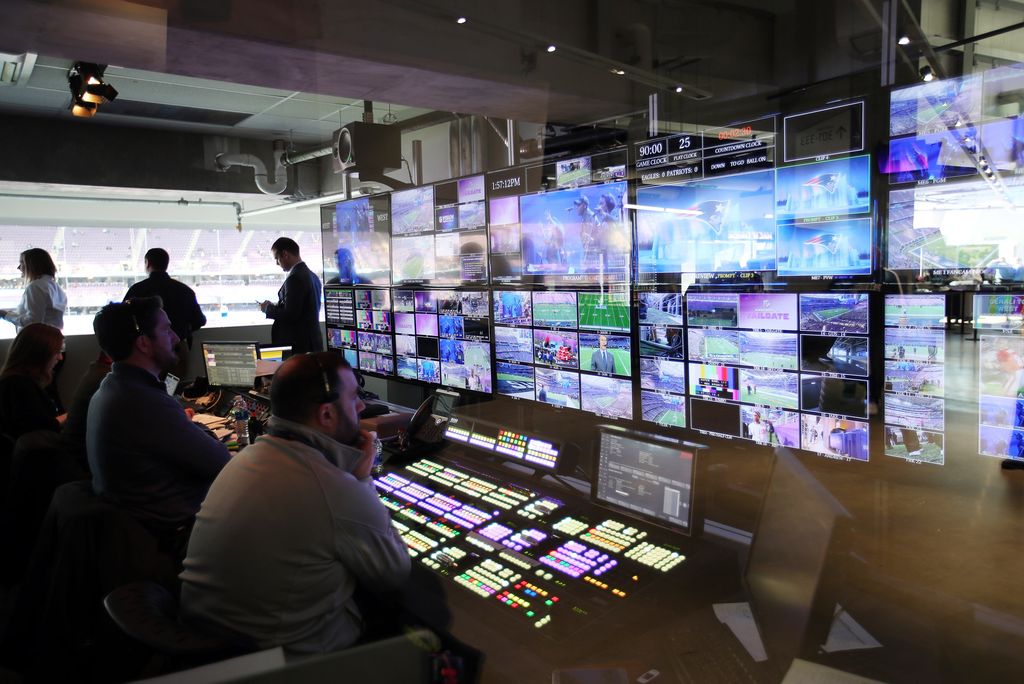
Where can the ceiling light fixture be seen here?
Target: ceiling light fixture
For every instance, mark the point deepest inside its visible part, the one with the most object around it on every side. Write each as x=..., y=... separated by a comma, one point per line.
x=679, y=88
x=460, y=20
x=618, y=72
x=552, y=47
x=903, y=40
x=927, y=75
x=88, y=89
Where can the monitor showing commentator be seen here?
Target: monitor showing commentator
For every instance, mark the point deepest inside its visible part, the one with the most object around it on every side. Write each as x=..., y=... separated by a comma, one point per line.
x=230, y=364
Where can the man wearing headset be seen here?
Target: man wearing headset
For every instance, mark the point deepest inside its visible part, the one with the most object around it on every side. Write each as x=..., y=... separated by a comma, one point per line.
x=145, y=455
x=292, y=525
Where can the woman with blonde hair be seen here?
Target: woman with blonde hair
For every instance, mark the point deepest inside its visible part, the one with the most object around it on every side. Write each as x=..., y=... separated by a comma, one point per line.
x=43, y=300
x=24, y=403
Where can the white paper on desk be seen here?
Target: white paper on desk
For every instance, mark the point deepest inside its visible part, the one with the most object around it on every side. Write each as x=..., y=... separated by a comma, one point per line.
x=208, y=419
x=846, y=634
x=738, y=618
x=221, y=433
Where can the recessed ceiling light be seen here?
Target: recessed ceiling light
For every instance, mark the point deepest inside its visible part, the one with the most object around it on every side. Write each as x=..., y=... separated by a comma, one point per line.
x=618, y=72
x=552, y=47
x=904, y=40
x=460, y=20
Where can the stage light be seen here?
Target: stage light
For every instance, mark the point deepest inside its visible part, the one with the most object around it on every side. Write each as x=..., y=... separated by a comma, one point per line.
x=83, y=109
x=552, y=47
x=903, y=40
x=927, y=75
x=88, y=90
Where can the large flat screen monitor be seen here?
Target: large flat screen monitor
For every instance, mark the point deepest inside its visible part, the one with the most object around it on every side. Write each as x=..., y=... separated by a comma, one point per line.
x=646, y=476
x=716, y=225
x=357, y=241
x=230, y=364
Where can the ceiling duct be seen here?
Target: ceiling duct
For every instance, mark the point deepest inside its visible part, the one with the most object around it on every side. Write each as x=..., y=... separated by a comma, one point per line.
x=263, y=182
x=16, y=69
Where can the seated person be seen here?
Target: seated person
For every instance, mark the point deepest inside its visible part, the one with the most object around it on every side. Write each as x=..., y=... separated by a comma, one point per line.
x=25, y=405
x=73, y=432
x=144, y=453
x=292, y=526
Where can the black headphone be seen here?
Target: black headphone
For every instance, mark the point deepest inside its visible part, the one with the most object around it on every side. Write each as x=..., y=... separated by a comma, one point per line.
x=135, y=321
x=330, y=395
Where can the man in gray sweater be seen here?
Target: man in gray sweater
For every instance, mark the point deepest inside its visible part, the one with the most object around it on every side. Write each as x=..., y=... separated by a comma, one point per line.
x=293, y=525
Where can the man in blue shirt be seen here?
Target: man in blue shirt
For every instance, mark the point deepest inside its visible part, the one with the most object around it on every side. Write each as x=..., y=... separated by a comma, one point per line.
x=146, y=456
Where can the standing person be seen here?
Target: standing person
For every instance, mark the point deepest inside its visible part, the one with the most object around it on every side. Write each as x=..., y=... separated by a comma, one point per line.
x=43, y=301
x=296, y=315
x=28, y=370
x=292, y=529
x=180, y=303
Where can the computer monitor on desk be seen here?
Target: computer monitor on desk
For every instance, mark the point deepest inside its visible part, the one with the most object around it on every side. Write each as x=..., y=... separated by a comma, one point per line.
x=230, y=364
x=270, y=358
x=795, y=559
x=646, y=476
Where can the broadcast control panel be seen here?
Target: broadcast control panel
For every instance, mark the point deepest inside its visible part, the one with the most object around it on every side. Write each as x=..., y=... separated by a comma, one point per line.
x=546, y=563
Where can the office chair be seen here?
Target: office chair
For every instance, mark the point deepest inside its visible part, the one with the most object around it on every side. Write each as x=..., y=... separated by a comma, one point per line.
x=148, y=613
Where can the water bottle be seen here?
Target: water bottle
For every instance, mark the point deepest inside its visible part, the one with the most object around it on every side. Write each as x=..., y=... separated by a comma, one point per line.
x=240, y=414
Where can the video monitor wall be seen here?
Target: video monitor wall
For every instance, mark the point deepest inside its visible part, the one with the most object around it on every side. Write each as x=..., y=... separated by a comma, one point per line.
x=350, y=317
x=661, y=345
x=439, y=234
x=778, y=369
x=567, y=349
x=443, y=337
x=713, y=204
x=915, y=383
x=1001, y=376
x=574, y=231
x=356, y=239
x=954, y=159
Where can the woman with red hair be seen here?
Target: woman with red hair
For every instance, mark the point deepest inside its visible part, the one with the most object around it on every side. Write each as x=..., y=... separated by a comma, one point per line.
x=28, y=370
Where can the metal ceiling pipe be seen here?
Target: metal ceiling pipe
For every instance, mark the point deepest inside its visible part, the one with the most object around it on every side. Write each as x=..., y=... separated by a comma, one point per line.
x=292, y=159
x=259, y=169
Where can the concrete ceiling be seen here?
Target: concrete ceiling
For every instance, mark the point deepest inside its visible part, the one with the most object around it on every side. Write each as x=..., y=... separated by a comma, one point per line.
x=168, y=101
x=299, y=69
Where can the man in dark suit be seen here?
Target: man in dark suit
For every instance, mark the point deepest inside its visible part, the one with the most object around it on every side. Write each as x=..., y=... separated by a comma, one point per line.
x=602, y=360
x=179, y=300
x=296, y=315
